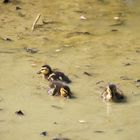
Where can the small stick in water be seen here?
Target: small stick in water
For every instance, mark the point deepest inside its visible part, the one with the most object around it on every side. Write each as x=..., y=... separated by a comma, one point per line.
x=35, y=22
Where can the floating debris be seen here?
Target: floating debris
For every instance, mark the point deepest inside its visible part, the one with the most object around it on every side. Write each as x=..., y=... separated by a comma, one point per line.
x=6, y=39
x=127, y=64
x=20, y=113
x=30, y=50
x=118, y=23
x=101, y=81
x=18, y=8
x=83, y=17
x=34, y=65
x=6, y=1
x=77, y=33
x=58, y=50
x=44, y=133
x=82, y=121
x=50, y=22
x=98, y=131
x=116, y=18
x=55, y=123
x=87, y=73
x=8, y=52
x=81, y=12
x=57, y=107
x=125, y=78
x=35, y=22
x=114, y=30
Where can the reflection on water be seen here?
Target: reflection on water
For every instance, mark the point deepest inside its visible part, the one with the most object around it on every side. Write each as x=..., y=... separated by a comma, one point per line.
x=108, y=108
x=89, y=50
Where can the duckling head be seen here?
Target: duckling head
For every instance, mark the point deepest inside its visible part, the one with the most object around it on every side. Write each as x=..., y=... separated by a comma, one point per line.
x=107, y=95
x=45, y=69
x=109, y=92
x=113, y=89
x=65, y=91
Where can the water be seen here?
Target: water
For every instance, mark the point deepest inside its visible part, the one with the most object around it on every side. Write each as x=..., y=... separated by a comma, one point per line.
x=99, y=45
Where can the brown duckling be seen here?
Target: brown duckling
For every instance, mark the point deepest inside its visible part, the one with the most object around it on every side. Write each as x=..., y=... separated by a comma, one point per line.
x=51, y=75
x=112, y=92
x=58, y=88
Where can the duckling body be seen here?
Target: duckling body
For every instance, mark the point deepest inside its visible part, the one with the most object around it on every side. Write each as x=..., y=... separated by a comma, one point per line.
x=58, y=88
x=51, y=75
x=112, y=93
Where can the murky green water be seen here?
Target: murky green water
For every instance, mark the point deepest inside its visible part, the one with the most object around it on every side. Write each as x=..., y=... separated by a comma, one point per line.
x=106, y=48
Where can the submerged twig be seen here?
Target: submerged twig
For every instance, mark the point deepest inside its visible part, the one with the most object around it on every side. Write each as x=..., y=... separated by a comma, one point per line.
x=57, y=107
x=77, y=33
x=118, y=23
x=35, y=22
x=98, y=131
x=87, y=73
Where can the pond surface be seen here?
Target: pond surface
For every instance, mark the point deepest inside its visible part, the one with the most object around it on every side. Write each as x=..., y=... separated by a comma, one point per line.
x=99, y=37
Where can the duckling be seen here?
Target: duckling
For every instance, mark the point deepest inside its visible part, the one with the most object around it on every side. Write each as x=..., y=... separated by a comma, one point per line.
x=58, y=88
x=113, y=93
x=51, y=75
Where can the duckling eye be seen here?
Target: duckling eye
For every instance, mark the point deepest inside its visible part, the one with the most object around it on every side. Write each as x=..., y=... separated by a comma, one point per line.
x=43, y=69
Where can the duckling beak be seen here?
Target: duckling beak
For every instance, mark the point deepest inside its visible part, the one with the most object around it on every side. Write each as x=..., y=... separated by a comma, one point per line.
x=39, y=72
